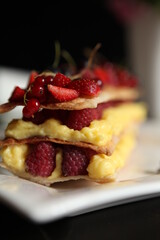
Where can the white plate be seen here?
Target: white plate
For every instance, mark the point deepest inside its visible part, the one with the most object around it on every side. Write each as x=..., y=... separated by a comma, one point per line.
x=138, y=180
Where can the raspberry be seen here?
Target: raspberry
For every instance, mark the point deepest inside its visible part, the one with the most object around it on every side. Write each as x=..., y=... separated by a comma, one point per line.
x=102, y=106
x=77, y=119
x=86, y=87
x=41, y=160
x=44, y=114
x=61, y=115
x=38, y=117
x=89, y=152
x=75, y=161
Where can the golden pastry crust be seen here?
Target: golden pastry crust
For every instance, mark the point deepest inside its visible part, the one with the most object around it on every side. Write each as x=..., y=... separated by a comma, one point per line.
x=108, y=149
x=107, y=94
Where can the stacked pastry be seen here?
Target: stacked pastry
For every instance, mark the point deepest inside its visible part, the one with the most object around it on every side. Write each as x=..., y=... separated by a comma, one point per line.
x=77, y=127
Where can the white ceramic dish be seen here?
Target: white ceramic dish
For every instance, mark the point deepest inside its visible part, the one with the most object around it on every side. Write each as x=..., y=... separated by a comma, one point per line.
x=9, y=78
x=138, y=180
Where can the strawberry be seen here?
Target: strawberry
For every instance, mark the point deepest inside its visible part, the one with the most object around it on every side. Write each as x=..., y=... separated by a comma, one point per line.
x=32, y=76
x=17, y=94
x=106, y=74
x=125, y=78
x=100, y=73
x=84, y=86
x=62, y=94
x=61, y=80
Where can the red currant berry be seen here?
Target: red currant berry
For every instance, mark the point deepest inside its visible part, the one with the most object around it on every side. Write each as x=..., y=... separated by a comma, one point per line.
x=49, y=80
x=31, y=108
x=37, y=90
x=40, y=81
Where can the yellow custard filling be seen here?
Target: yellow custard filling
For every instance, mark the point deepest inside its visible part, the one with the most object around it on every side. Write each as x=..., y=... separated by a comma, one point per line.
x=101, y=166
x=100, y=132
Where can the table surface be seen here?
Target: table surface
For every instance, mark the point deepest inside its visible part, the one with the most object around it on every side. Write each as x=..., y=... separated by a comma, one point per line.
x=137, y=220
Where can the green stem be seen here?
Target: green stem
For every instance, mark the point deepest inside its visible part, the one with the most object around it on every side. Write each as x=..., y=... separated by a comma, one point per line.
x=57, y=54
x=67, y=56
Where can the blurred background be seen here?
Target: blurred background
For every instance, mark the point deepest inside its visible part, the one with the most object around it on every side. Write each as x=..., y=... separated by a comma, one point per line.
x=27, y=40
x=127, y=30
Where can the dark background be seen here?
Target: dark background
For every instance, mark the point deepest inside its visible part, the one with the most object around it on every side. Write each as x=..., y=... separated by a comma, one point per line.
x=28, y=32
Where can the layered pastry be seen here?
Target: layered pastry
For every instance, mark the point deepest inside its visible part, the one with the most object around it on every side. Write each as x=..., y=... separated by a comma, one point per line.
x=82, y=126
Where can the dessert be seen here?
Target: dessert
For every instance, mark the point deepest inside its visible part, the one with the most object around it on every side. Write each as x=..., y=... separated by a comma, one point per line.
x=82, y=126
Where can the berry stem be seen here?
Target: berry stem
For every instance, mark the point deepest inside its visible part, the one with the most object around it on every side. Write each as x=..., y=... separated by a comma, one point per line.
x=57, y=54
x=92, y=54
x=89, y=63
x=76, y=76
x=67, y=56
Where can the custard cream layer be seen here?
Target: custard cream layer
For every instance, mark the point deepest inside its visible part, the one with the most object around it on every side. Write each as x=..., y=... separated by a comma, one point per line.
x=113, y=122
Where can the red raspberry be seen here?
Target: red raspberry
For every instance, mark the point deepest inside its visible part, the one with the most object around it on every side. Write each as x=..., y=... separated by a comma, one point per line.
x=75, y=161
x=61, y=115
x=41, y=160
x=61, y=80
x=102, y=106
x=37, y=118
x=86, y=87
x=41, y=116
x=89, y=152
x=77, y=119
x=17, y=95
